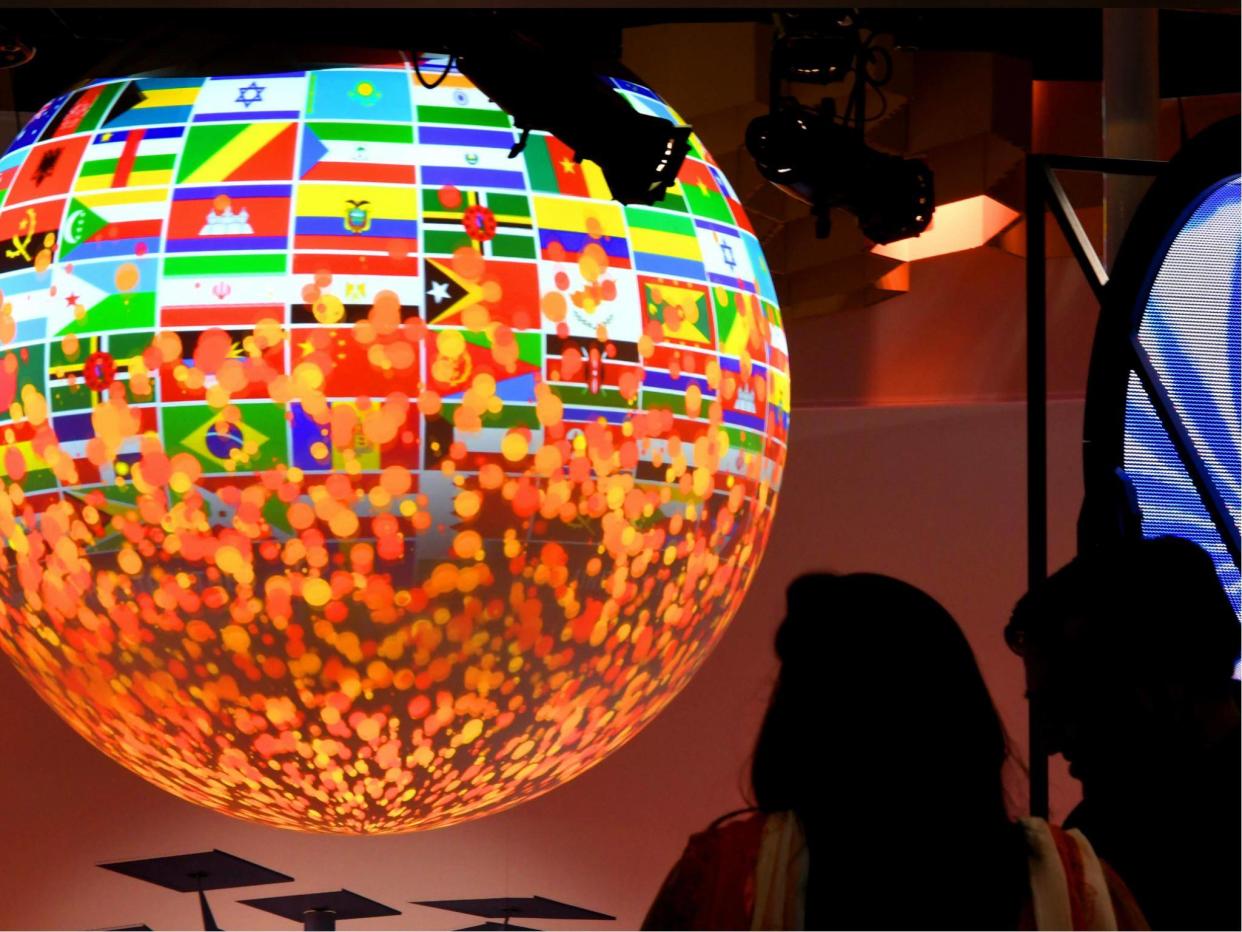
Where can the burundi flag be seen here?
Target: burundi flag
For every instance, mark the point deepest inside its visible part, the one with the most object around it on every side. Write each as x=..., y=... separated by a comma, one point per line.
x=382, y=153
x=490, y=222
x=110, y=294
x=725, y=255
x=554, y=170
x=223, y=290
x=113, y=223
x=84, y=111
x=25, y=232
x=154, y=102
x=79, y=371
x=567, y=226
x=238, y=152
x=359, y=94
x=469, y=157
x=355, y=218
x=251, y=98
x=130, y=158
x=683, y=310
x=48, y=170
x=18, y=368
x=665, y=243
x=255, y=442
x=353, y=285
x=229, y=218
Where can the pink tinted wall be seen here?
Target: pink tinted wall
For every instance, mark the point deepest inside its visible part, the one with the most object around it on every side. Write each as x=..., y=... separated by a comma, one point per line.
x=933, y=494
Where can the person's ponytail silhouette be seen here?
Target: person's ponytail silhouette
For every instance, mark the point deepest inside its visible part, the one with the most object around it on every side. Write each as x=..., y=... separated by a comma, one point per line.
x=878, y=786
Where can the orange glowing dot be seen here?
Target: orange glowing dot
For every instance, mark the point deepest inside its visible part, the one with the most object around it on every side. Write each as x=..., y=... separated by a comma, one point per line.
x=316, y=592
x=514, y=446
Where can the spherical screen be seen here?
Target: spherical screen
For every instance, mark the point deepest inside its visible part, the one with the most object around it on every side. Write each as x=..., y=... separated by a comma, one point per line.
x=358, y=475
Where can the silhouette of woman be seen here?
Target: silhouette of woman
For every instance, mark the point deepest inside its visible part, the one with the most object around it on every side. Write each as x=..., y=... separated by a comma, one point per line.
x=879, y=794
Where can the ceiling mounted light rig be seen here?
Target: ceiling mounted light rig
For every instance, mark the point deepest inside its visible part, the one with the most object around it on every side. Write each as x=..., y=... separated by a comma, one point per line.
x=639, y=154
x=821, y=156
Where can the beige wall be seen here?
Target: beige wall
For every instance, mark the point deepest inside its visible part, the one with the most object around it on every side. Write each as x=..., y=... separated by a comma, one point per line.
x=933, y=494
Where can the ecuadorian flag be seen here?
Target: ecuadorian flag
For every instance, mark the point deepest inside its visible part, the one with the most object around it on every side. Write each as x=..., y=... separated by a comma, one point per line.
x=355, y=217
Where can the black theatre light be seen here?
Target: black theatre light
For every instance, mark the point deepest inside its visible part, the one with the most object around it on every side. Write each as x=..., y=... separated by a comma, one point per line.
x=822, y=158
x=639, y=155
x=812, y=156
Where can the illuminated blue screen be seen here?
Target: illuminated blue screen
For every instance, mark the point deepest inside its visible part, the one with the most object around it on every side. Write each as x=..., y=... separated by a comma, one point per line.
x=1191, y=330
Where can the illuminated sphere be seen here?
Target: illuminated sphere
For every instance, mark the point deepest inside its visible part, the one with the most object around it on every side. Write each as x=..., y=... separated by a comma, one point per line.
x=357, y=476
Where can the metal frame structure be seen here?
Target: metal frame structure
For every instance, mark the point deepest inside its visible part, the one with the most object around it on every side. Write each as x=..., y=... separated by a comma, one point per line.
x=1110, y=509
x=1045, y=194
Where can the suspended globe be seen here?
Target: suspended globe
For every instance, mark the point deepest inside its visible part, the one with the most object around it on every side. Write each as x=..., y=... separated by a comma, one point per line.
x=357, y=476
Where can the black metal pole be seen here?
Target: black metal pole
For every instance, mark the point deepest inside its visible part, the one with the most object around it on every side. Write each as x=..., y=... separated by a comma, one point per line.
x=1036, y=446
x=209, y=920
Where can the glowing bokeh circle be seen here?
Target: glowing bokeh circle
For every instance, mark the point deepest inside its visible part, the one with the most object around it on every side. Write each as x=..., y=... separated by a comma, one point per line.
x=358, y=477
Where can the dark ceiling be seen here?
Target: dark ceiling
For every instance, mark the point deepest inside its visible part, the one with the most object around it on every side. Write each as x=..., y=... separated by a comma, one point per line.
x=1199, y=51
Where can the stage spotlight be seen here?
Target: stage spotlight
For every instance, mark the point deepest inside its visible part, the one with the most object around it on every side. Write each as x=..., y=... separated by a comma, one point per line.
x=895, y=197
x=639, y=155
x=812, y=156
x=821, y=157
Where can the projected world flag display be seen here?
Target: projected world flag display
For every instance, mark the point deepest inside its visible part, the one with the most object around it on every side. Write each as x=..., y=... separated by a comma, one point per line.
x=1191, y=331
x=358, y=476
